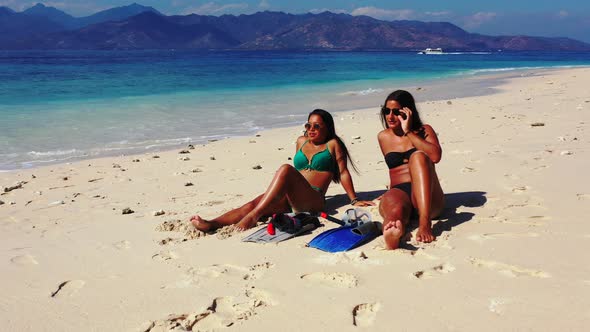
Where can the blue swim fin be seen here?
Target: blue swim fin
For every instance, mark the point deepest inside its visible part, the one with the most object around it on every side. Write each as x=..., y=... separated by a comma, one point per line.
x=346, y=237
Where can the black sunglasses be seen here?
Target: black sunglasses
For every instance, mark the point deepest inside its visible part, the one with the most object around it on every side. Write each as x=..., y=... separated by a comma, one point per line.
x=316, y=126
x=395, y=111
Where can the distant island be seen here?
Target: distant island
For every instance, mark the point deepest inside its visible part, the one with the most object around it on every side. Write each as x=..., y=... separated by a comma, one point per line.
x=137, y=27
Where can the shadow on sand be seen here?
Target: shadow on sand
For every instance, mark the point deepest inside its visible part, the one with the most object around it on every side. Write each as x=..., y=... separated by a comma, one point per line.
x=333, y=203
x=450, y=218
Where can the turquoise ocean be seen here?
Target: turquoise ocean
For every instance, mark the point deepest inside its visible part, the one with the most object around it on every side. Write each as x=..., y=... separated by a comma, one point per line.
x=60, y=106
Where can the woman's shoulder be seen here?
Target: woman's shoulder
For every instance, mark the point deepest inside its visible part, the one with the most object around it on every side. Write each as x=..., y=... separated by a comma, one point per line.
x=301, y=138
x=332, y=144
x=383, y=133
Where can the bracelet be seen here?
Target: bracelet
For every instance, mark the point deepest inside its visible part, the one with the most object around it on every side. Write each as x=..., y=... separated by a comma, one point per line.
x=354, y=201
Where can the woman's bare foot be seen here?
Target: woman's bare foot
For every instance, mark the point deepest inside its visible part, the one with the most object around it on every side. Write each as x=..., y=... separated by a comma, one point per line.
x=249, y=221
x=424, y=233
x=201, y=224
x=392, y=233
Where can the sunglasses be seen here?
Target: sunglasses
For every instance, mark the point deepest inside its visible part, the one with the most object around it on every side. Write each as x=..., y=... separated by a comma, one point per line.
x=395, y=111
x=315, y=126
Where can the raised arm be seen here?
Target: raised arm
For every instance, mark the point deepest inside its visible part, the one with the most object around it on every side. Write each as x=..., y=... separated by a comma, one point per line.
x=428, y=143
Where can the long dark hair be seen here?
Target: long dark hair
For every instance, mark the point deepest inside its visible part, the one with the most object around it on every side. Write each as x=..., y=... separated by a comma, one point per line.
x=404, y=99
x=329, y=122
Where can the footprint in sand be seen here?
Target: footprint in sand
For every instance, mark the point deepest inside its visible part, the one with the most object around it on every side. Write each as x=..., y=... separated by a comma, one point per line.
x=121, y=245
x=348, y=257
x=261, y=296
x=257, y=270
x=364, y=315
x=24, y=260
x=421, y=253
x=512, y=176
x=165, y=255
x=532, y=221
x=170, y=240
x=192, y=276
x=336, y=279
x=468, y=170
x=223, y=312
x=68, y=288
x=520, y=189
x=493, y=236
x=433, y=272
x=521, y=214
x=252, y=272
x=508, y=270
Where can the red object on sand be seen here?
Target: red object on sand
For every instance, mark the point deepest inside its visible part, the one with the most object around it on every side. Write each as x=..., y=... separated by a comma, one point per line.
x=270, y=228
x=323, y=214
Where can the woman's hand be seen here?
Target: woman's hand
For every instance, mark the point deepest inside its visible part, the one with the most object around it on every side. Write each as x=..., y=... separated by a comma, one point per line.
x=363, y=203
x=407, y=121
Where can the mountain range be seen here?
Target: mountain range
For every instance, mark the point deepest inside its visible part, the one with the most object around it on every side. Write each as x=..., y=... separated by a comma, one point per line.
x=140, y=27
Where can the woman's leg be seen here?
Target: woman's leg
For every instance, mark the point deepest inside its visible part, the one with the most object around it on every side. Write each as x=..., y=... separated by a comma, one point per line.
x=287, y=184
x=233, y=216
x=395, y=207
x=427, y=195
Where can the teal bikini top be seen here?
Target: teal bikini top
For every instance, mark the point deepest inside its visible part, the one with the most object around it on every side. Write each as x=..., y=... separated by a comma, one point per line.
x=321, y=161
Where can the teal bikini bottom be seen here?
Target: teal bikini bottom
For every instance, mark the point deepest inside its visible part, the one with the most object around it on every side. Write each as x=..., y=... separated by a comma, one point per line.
x=318, y=189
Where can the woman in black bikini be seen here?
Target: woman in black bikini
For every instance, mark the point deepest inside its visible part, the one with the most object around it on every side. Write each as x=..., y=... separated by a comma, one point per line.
x=411, y=149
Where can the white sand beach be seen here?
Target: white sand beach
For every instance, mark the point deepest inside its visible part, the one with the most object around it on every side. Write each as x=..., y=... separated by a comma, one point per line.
x=510, y=254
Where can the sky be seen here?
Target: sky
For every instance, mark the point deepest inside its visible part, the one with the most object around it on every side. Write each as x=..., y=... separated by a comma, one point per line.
x=564, y=18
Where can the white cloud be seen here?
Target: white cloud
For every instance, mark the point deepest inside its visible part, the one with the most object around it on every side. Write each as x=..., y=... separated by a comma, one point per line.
x=563, y=14
x=264, y=4
x=479, y=18
x=385, y=14
x=321, y=10
x=15, y=5
x=439, y=14
x=211, y=8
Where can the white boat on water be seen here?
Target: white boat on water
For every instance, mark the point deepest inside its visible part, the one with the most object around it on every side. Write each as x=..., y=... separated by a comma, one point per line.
x=437, y=50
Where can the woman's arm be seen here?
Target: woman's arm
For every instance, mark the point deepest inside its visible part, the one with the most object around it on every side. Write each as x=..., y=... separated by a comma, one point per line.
x=345, y=177
x=429, y=144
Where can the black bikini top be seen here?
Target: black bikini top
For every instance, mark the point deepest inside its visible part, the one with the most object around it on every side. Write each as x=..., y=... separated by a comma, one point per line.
x=395, y=159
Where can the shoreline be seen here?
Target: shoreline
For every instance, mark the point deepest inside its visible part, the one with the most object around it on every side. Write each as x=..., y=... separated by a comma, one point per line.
x=468, y=84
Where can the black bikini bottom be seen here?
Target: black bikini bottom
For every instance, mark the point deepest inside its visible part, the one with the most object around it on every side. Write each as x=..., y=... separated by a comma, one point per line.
x=405, y=187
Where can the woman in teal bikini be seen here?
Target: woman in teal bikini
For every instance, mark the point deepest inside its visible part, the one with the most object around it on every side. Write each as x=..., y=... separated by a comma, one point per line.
x=321, y=158
x=411, y=149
